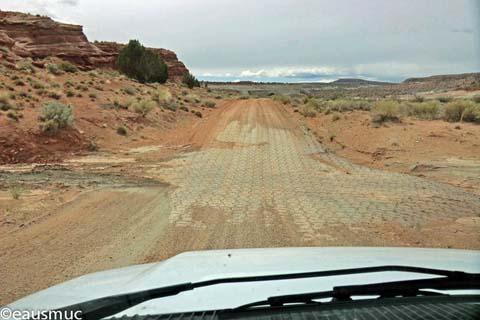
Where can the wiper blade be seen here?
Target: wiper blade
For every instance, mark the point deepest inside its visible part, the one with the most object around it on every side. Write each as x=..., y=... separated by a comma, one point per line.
x=406, y=288
x=107, y=306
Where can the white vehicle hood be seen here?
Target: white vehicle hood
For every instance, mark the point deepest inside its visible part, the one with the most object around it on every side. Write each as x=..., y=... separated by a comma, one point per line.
x=205, y=265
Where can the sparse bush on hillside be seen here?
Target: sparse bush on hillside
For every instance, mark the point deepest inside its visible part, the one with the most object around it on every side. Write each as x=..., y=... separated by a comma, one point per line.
x=445, y=99
x=54, y=95
x=471, y=113
x=67, y=67
x=123, y=104
x=129, y=90
x=15, y=191
x=454, y=110
x=209, y=104
x=343, y=105
x=308, y=110
x=424, y=110
x=122, y=131
x=143, y=107
x=190, y=81
x=55, y=116
x=198, y=114
x=26, y=66
x=13, y=114
x=476, y=98
x=385, y=111
x=54, y=69
x=19, y=83
x=418, y=98
x=37, y=85
x=172, y=105
x=282, y=98
x=162, y=96
x=5, y=103
x=138, y=63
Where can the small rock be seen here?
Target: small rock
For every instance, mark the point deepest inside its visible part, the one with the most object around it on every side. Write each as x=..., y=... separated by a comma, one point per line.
x=104, y=125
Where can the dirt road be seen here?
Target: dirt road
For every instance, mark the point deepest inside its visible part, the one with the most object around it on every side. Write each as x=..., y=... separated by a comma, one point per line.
x=257, y=179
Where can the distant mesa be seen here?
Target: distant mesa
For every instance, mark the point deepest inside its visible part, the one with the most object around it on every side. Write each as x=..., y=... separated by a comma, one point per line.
x=359, y=82
x=39, y=37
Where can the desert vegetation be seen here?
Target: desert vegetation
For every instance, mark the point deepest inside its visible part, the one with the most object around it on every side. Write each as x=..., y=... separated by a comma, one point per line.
x=141, y=64
x=54, y=116
x=190, y=81
x=392, y=110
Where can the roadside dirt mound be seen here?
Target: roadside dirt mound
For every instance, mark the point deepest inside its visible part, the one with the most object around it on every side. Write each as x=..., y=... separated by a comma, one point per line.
x=31, y=147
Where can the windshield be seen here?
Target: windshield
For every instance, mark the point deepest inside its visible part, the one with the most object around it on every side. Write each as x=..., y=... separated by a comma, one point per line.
x=137, y=137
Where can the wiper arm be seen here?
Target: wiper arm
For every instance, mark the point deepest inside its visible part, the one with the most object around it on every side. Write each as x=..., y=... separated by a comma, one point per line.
x=406, y=288
x=106, y=306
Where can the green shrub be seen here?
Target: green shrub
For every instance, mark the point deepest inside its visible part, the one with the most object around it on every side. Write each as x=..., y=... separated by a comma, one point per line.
x=55, y=116
x=19, y=83
x=209, y=104
x=476, y=98
x=424, y=110
x=418, y=98
x=67, y=67
x=335, y=117
x=93, y=95
x=26, y=66
x=37, y=85
x=54, y=69
x=308, y=110
x=342, y=105
x=129, y=90
x=162, y=96
x=15, y=191
x=471, y=113
x=198, y=114
x=385, y=110
x=92, y=146
x=69, y=83
x=54, y=95
x=445, y=99
x=454, y=110
x=122, y=131
x=143, y=107
x=141, y=64
x=13, y=114
x=283, y=99
x=123, y=104
x=184, y=108
x=190, y=81
x=70, y=93
x=172, y=105
x=5, y=103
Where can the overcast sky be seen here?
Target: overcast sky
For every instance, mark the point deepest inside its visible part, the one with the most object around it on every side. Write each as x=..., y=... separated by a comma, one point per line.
x=288, y=40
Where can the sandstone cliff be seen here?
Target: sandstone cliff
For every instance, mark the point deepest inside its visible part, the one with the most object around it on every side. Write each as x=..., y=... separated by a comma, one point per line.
x=24, y=35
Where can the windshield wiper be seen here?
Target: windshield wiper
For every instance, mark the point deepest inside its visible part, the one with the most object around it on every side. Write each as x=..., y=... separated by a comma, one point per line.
x=107, y=306
x=406, y=288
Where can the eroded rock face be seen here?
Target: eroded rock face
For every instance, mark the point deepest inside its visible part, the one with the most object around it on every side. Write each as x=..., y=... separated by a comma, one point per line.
x=24, y=35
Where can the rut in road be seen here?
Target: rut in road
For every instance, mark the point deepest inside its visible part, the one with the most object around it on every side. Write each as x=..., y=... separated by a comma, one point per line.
x=262, y=180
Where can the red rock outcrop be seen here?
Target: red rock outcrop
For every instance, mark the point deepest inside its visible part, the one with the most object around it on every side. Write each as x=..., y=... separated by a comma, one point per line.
x=176, y=68
x=38, y=37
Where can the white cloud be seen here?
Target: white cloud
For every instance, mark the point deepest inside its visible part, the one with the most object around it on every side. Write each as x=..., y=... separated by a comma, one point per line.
x=294, y=72
x=44, y=7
